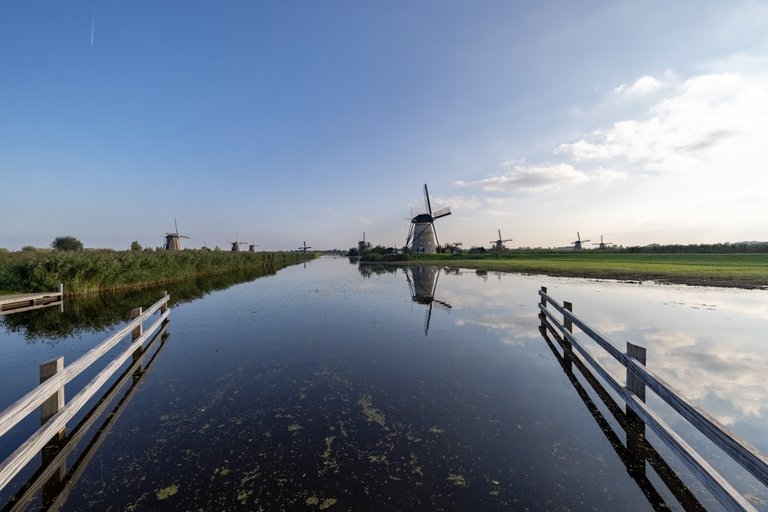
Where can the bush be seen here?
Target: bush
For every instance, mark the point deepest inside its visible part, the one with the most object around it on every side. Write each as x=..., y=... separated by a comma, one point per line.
x=135, y=246
x=67, y=243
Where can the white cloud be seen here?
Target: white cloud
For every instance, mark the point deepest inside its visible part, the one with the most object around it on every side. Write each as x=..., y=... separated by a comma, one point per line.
x=364, y=220
x=529, y=178
x=709, y=115
x=642, y=86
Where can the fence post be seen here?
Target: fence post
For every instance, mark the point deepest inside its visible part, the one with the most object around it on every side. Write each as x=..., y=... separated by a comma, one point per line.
x=137, y=332
x=61, y=297
x=567, y=348
x=543, y=303
x=164, y=307
x=48, y=409
x=635, y=425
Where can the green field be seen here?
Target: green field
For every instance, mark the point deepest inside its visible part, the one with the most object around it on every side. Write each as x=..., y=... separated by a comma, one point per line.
x=94, y=271
x=733, y=270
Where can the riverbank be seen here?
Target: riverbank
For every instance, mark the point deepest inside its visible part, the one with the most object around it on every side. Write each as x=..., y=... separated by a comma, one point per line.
x=724, y=270
x=86, y=272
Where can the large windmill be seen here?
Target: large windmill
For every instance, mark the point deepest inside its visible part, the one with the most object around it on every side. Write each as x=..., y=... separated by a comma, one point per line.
x=172, y=239
x=578, y=242
x=422, y=287
x=304, y=247
x=236, y=244
x=421, y=235
x=499, y=244
x=602, y=245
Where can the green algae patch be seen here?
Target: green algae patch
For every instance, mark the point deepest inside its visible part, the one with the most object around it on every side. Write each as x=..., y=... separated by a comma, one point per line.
x=327, y=503
x=167, y=492
x=313, y=500
x=436, y=430
x=294, y=427
x=371, y=413
x=457, y=480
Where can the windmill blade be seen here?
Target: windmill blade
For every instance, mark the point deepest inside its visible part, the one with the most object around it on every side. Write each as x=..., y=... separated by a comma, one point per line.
x=434, y=286
x=408, y=238
x=442, y=213
x=176, y=225
x=427, y=317
x=426, y=200
x=410, y=286
x=442, y=305
x=578, y=236
x=507, y=240
x=585, y=241
x=437, y=242
x=182, y=236
x=499, y=234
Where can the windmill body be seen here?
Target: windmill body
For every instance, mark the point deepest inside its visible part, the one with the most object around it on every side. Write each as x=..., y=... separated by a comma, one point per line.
x=422, y=237
x=577, y=243
x=172, y=242
x=499, y=244
x=235, y=247
x=603, y=245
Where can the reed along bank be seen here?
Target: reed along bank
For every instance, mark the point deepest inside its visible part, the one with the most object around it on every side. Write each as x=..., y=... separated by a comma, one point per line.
x=95, y=271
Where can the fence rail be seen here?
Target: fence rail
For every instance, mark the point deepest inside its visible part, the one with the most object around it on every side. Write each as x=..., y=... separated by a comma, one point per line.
x=633, y=393
x=49, y=395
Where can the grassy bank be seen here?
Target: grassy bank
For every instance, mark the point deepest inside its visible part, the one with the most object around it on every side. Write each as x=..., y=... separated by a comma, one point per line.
x=84, y=272
x=731, y=270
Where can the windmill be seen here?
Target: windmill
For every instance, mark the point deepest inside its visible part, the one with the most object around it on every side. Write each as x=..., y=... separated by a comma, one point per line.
x=602, y=245
x=236, y=244
x=499, y=244
x=578, y=242
x=422, y=286
x=205, y=247
x=252, y=247
x=422, y=237
x=172, y=239
x=304, y=247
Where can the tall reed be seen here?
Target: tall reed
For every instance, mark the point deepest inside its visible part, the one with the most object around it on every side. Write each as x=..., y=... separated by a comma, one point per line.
x=92, y=271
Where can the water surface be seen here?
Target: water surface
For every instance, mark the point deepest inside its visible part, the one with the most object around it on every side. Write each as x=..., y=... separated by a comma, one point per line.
x=330, y=386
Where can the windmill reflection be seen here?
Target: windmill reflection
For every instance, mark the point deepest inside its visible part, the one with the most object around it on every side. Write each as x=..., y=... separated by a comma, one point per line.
x=422, y=282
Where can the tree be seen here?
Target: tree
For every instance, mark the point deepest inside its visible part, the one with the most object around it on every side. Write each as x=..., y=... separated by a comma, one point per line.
x=67, y=243
x=135, y=246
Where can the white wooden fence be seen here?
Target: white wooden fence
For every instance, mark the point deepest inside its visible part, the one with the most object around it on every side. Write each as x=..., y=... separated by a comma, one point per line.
x=638, y=378
x=49, y=395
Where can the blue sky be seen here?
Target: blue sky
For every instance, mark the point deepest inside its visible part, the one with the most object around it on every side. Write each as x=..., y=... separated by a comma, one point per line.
x=288, y=121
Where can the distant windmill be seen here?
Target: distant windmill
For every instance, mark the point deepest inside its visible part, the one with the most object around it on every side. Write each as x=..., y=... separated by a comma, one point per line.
x=205, y=247
x=421, y=235
x=252, y=247
x=499, y=244
x=602, y=245
x=422, y=287
x=304, y=247
x=172, y=239
x=236, y=244
x=578, y=242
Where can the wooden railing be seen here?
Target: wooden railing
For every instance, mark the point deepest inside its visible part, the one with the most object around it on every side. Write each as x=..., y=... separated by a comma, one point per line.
x=49, y=395
x=638, y=378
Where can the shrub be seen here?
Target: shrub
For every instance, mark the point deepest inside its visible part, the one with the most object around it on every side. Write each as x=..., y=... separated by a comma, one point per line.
x=67, y=243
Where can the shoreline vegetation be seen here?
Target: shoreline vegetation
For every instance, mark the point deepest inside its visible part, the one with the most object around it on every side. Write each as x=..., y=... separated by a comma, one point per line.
x=95, y=271
x=732, y=270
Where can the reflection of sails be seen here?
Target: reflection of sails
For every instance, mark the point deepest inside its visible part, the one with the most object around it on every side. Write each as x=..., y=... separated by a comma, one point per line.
x=422, y=282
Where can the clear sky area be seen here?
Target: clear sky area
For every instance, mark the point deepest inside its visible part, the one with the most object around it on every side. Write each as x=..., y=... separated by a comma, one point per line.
x=292, y=121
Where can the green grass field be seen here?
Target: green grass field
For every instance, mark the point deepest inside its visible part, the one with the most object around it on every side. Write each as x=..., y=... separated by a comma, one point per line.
x=734, y=270
x=84, y=272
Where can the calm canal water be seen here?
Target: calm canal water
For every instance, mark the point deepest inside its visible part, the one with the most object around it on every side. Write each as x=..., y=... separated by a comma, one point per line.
x=336, y=387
